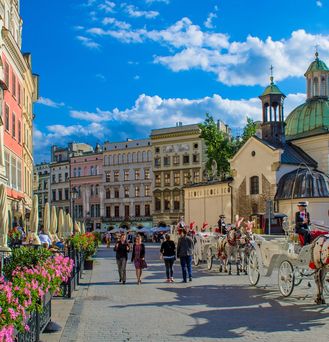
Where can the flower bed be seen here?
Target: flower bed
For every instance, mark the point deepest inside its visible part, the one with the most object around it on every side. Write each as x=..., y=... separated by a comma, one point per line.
x=24, y=291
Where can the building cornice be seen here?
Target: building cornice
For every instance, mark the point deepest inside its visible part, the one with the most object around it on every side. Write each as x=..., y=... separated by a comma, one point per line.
x=175, y=134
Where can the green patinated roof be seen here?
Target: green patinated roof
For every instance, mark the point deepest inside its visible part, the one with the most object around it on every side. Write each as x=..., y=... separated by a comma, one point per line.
x=317, y=65
x=272, y=89
x=308, y=119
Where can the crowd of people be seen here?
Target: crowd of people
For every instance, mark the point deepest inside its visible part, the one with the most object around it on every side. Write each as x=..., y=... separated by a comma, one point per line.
x=169, y=252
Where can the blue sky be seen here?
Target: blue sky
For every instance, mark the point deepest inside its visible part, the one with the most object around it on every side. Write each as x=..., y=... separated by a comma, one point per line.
x=111, y=70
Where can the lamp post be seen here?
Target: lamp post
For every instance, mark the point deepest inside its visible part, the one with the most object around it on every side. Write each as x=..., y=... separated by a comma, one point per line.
x=74, y=195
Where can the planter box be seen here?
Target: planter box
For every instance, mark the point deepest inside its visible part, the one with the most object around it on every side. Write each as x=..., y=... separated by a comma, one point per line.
x=88, y=264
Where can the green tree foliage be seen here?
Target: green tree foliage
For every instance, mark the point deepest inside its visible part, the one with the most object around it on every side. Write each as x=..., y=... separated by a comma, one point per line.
x=220, y=146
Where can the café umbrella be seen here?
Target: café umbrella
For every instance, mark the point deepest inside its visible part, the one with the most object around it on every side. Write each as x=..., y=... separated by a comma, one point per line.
x=46, y=219
x=3, y=220
x=33, y=235
x=61, y=223
x=53, y=224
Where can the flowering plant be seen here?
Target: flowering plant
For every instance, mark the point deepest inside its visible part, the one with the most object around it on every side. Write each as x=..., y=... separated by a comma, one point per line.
x=85, y=243
x=24, y=292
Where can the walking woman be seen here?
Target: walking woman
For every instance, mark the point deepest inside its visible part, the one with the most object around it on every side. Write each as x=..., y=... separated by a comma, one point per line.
x=168, y=251
x=122, y=248
x=138, y=257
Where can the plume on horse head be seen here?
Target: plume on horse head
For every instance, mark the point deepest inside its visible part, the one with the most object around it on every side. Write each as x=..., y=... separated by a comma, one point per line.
x=238, y=221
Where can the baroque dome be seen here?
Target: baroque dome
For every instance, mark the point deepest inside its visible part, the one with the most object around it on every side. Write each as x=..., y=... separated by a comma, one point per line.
x=303, y=183
x=308, y=119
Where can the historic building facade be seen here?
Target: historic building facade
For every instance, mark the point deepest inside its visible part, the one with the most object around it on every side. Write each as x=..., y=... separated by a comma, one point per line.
x=42, y=185
x=178, y=160
x=127, y=182
x=19, y=89
x=86, y=173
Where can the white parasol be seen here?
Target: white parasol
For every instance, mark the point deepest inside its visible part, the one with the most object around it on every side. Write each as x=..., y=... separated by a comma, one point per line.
x=3, y=220
x=77, y=229
x=83, y=228
x=61, y=223
x=46, y=219
x=33, y=234
x=53, y=224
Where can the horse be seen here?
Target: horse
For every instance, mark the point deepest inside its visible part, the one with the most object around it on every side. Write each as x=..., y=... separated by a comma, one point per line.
x=228, y=249
x=245, y=245
x=320, y=263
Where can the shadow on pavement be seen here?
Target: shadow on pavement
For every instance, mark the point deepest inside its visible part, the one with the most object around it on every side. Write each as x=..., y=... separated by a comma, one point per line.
x=226, y=309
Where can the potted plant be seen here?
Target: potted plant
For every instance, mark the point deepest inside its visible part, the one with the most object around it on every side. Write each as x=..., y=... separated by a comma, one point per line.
x=87, y=244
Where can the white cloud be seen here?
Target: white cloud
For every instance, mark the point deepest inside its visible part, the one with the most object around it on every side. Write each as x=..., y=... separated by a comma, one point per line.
x=50, y=103
x=134, y=12
x=154, y=112
x=209, y=21
x=88, y=42
x=319, y=3
x=136, y=77
x=107, y=6
x=100, y=77
x=116, y=23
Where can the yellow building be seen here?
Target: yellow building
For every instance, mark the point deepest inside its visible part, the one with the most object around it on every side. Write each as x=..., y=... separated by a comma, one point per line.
x=178, y=159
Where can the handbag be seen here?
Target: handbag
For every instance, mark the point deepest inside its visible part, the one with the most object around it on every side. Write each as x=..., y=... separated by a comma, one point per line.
x=143, y=263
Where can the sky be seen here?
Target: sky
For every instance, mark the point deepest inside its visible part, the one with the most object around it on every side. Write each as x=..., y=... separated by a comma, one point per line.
x=112, y=70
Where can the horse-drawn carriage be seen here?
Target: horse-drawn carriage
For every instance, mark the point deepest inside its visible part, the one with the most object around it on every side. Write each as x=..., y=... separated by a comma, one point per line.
x=293, y=261
x=204, y=242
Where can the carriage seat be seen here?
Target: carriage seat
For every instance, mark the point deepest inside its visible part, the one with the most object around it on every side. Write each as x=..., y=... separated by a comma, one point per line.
x=314, y=235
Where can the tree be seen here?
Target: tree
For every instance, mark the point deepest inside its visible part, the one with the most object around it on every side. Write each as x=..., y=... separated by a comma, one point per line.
x=219, y=146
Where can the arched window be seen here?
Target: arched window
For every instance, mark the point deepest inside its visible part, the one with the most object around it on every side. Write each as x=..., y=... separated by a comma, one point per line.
x=115, y=159
x=79, y=172
x=309, y=88
x=254, y=185
x=119, y=158
x=123, y=158
x=129, y=157
x=91, y=170
x=139, y=159
x=315, y=86
x=111, y=160
x=134, y=157
x=74, y=172
x=144, y=156
x=323, y=86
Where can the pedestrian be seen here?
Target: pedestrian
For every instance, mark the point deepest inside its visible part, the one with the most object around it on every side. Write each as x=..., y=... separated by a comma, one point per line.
x=122, y=249
x=168, y=252
x=138, y=257
x=185, y=252
x=108, y=239
x=302, y=221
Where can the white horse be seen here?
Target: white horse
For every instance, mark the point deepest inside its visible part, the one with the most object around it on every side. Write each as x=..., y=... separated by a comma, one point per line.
x=245, y=246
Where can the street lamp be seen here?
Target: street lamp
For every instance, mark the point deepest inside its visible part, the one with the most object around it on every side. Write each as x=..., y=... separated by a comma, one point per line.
x=74, y=195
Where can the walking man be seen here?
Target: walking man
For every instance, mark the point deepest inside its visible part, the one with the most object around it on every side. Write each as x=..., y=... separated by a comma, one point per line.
x=185, y=252
x=122, y=248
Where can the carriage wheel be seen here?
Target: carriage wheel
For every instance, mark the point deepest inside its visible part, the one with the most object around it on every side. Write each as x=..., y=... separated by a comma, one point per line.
x=210, y=259
x=196, y=259
x=286, y=279
x=253, y=268
x=326, y=284
x=298, y=277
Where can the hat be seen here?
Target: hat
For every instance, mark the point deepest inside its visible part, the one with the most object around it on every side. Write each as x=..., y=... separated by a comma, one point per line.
x=302, y=204
x=222, y=216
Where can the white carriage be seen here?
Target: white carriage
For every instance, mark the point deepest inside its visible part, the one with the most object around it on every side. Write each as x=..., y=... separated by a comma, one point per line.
x=284, y=254
x=204, y=243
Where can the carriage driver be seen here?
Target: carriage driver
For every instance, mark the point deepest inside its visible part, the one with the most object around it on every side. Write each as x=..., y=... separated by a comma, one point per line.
x=222, y=224
x=302, y=220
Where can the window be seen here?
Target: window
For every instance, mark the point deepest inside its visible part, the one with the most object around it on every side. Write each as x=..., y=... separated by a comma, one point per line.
x=79, y=172
x=186, y=177
x=147, y=190
x=176, y=178
x=176, y=160
x=166, y=161
x=196, y=158
x=126, y=175
x=66, y=176
x=195, y=146
x=157, y=180
x=137, y=174
x=126, y=192
x=108, y=177
x=116, y=175
x=146, y=174
x=97, y=210
x=157, y=162
x=254, y=185
x=60, y=194
x=91, y=170
x=19, y=175
x=116, y=193
x=157, y=149
x=92, y=210
x=167, y=179
x=13, y=124
x=127, y=211
x=167, y=201
x=116, y=211
x=7, y=163
x=7, y=118
x=14, y=84
x=176, y=201
x=54, y=178
x=13, y=172
x=97, y=190
x=7, y=74
x=186, y=159
x=137, y=210
x=137, y=191
x=66, y=194
x=157, y=201
x=147, y=210
x=196, y=176
x=108, y=211
x=108, y=193
x=59, y=177
x=19, y=93
x=54, y=195
x=74, y=172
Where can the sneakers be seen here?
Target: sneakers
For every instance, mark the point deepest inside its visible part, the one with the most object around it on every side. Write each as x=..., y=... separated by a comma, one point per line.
x=124, y=282
x=172, y=280
x=168, y=280
x=184, y=281
x=190, y=279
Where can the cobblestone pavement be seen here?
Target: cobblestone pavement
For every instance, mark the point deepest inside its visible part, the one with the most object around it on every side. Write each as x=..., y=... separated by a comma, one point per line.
x=212, y=307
